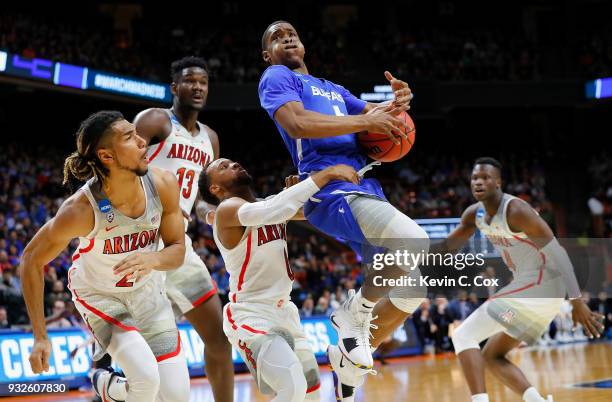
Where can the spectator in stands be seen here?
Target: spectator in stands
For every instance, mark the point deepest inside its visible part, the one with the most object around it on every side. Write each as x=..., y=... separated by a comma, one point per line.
x=307, y=309
x=424, y=325
x=323, y=307
x=460, y=308
x=442, y=319
x=58, y=292
x=4, y=324
x=57, y=318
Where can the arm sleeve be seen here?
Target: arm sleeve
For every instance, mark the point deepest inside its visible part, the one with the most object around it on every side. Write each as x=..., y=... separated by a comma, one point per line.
x=279, y=208
x=353, y=104
x=558, y=260
x=278, y=86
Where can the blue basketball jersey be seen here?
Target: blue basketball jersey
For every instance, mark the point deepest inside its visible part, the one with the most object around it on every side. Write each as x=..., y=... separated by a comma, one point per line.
x=280, y=85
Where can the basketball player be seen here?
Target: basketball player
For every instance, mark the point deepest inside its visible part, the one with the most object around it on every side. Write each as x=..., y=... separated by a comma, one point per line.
x=523, y=310
x=180, y=144
x=260, y=320
x=119, y=216
x=317, y=120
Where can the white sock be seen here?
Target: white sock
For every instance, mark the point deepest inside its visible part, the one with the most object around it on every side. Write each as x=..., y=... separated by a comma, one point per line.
x=480, y=398
x=117, y=388
x=532, y=395
x=362, y=304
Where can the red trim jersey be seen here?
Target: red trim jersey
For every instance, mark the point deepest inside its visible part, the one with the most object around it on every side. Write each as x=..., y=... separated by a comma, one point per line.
x=113, y=238
x=185, y=155
x=258, y=266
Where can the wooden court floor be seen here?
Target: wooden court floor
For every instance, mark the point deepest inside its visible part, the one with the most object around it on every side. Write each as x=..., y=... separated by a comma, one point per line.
x=553, y=370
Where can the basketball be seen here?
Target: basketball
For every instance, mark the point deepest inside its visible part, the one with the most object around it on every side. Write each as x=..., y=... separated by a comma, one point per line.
x=380, y=147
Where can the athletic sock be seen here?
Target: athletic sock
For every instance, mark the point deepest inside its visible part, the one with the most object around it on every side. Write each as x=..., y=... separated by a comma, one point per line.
x=532, y=395
x=480, y=398
x=361, y=304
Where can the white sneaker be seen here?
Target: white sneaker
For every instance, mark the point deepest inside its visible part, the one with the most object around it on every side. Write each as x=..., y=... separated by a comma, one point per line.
x=101, y=380
x=353, y=327
x=347, y=377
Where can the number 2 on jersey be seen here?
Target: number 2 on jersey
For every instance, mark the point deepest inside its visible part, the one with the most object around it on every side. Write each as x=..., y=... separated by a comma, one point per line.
x=125, y=282
x=184, y=173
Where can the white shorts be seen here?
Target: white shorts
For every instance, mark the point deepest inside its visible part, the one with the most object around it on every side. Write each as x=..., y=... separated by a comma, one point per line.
x=146, y=309
x=191, y=284
x=522, y=319
x=247, y=324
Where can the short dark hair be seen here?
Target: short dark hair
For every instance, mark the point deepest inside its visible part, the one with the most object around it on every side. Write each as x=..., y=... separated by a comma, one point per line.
x=487, y=160
x=84, y=162
x=264, y=37
x=177, y=66
x=204, y=187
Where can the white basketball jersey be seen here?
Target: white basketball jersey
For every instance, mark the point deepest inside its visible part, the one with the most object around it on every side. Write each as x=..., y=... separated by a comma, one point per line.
x=258, y=266
x=185, y=155
x=519, y=253
x=113, y=238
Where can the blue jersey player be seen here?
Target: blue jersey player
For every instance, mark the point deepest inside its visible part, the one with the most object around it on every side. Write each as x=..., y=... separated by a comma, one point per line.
x=317, y=120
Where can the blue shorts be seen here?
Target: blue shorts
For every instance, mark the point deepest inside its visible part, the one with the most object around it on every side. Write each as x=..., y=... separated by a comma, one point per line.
x=329, y=212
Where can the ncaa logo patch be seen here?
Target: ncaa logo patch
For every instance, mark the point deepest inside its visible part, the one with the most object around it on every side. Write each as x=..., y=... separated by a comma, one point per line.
x=480, y=213
x=105, y=206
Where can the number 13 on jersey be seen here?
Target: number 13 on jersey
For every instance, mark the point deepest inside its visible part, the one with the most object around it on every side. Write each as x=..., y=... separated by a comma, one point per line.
x=187, y=176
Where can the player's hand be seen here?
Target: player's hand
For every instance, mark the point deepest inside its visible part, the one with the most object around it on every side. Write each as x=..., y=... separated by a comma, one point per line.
x=380, y=120
x=401, y=91
x=137, y=265
x=291, y=180
x=337, y=172
x=39, y=358
x=591, y=321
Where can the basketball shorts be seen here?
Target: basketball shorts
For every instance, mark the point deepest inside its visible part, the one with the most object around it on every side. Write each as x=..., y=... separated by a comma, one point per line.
x=191, y=284
x=329, y=211
x=247, y=325
x=146, y=309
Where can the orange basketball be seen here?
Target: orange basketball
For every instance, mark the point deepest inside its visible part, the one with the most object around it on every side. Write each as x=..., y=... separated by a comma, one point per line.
x=380, y=147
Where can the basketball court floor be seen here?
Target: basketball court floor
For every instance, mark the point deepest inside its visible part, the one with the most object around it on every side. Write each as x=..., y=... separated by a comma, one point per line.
x=572, y=373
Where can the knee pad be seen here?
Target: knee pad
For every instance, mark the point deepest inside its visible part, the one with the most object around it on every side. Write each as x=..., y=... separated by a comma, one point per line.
x=408, y=298
x=463, y=340
x=280, y=371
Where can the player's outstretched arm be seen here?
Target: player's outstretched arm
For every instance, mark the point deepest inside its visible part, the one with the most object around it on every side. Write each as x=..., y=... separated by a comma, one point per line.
x=301, y=123
x=522, y=218
x=75, y=218
x=153, y=125
x=460, y=235
x=171, y=231
x=236, y=212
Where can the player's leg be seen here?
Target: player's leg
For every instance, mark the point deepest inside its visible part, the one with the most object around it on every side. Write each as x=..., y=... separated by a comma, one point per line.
x=466, y=339
x=207, y=320
x=281, y=370
x=134, y=356
x=193, y=294
x=386, y=227
x=174, y=379
x=494, y=354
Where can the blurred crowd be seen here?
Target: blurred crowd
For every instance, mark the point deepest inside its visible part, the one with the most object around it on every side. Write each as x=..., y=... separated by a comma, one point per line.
x=600, y=202
x=144, y=47
x=325, y=270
